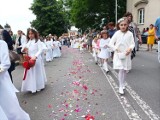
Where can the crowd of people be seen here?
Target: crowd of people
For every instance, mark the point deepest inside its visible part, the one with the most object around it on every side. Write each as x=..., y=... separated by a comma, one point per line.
x=33, y=51
x=117, y=42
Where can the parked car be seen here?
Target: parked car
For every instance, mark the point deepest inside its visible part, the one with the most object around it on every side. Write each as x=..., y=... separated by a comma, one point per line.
x=144, y=37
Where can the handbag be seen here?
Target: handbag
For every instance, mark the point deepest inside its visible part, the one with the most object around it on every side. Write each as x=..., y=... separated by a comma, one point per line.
x=121, y=56
x=13, y=56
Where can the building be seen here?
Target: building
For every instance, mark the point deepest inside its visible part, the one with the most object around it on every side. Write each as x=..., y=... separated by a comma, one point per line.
x=145, y=12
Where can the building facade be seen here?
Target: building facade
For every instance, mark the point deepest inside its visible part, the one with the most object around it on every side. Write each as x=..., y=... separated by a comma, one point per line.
x=145, y=12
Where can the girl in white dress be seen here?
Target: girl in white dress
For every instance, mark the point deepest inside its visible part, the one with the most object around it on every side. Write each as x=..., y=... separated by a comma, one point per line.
x=95, y=49
x=9, y=105
x=105, y=53
x=76, y=42
x=36, y=76
x=72, y=42
x=49, y=50
x=122, y=43
x=56, y=48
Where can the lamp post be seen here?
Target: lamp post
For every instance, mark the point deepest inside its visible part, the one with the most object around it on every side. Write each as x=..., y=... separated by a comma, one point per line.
x=116, y=15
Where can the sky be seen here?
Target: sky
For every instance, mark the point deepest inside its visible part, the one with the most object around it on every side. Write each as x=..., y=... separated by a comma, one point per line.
x=17, y=14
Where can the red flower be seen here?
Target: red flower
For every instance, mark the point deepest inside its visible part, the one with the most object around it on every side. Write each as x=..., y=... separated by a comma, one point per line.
x=89, y=117
x=85, y=87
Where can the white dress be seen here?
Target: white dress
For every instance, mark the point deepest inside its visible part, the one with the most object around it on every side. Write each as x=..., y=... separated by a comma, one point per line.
x=122, y=41
x=105, y=52
x=76, y=43
x=36, y=76
x=72, y=43
x=8, y=100
x=49, y=51
x=95, y=48
x=2, y=114
x=44, y=51
x=56, y=49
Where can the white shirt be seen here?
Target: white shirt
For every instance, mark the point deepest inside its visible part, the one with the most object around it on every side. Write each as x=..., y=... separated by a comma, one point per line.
x=23, y=41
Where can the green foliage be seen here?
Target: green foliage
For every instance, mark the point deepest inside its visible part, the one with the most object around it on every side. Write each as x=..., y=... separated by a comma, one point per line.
x=50, y=17
x=89, y=13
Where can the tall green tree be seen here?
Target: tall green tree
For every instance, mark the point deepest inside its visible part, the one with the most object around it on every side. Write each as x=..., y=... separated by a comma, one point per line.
x=89, y=13
x=50, y=17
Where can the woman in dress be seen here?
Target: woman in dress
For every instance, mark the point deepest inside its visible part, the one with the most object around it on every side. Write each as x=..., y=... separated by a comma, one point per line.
x=36, y=76
x=151, y=38
x=122, y=43
x=9, y=105
x=105, y=54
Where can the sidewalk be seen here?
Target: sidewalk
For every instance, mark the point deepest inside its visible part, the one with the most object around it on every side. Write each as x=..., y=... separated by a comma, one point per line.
x=144, y=46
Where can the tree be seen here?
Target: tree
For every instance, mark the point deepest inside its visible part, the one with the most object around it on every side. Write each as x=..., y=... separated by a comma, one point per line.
x=89, y=13
x=50, y=17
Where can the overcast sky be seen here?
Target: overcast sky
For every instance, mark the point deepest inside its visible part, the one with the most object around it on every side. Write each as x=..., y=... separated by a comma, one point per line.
x=16, y=13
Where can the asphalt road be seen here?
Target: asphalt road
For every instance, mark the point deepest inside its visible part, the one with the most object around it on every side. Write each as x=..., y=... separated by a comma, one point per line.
x=77, y=87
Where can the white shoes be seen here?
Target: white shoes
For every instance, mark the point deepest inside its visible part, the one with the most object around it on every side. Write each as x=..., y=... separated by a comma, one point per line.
x=105, y=67
x=100, y=65
x=121, y=91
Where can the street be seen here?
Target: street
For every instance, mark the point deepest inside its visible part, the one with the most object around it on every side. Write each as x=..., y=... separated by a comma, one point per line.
x=77, y=88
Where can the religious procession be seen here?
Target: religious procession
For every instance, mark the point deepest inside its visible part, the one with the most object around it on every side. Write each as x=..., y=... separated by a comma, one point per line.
x=104, y=69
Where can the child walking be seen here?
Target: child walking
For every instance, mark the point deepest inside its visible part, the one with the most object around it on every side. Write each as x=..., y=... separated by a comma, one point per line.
x=105, y=52
x=95, y=49
x=49, y=50
x=122, y=43
x=36, y=76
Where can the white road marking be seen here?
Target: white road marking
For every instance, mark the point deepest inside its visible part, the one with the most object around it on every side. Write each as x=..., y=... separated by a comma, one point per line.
x=131, y=113
x=142, y=104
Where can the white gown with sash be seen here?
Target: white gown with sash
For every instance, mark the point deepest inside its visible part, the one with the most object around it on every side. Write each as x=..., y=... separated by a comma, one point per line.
x=36, y=76
x=8, y=100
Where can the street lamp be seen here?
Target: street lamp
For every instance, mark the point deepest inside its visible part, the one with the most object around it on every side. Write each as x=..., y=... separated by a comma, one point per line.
x=116, y=16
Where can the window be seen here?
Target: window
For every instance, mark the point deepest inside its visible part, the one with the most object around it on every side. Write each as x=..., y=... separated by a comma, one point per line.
x=141, y=16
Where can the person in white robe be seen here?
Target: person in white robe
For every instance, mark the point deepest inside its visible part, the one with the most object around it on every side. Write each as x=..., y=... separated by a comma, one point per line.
x=105, y=53
x=2, y=114
x=95, y=50
x=76, y=42
x=49, y=53
x=122, y=43
x=36, y=76
x=9, y=104
x=56, y=49
x=72, y=40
